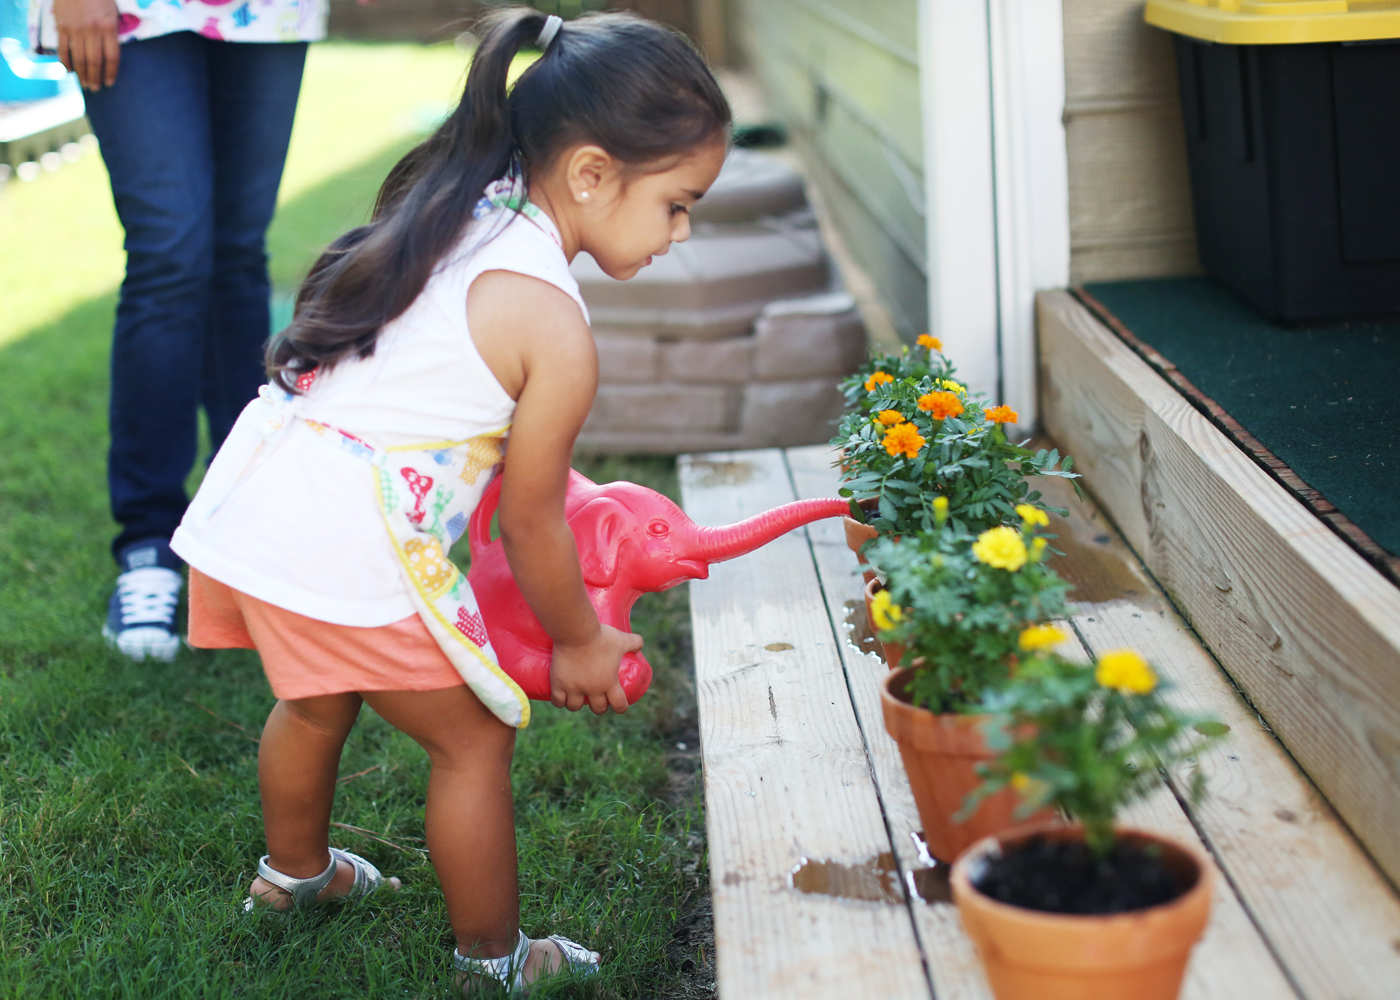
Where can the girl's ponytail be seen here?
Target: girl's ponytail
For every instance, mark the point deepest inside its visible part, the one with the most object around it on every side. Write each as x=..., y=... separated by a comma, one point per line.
x=637, y=89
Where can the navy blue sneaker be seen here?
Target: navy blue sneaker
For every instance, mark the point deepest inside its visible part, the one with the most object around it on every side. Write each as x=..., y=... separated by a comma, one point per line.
x=141, y=613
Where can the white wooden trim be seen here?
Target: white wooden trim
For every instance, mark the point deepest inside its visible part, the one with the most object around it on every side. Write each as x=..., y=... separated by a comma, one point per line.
x=955, y=97
x=1031, y=181
x=992, y=89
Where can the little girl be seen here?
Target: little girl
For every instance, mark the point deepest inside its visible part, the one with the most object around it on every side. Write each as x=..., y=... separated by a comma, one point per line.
x=319, y=534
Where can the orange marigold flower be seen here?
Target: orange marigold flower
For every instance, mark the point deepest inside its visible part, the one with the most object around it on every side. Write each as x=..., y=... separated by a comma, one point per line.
x=879, y=378
x=890, y=417
x=941, y=405
x=1002, y=415
x=903, y=439
x=932, y=343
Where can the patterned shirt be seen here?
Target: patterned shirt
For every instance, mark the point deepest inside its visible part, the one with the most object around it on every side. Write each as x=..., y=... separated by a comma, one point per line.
x=230, y=21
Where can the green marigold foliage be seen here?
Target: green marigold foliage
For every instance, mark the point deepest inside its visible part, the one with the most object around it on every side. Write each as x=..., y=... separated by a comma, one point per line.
x=960, y=618
x=1085, y=746
x=965, y=458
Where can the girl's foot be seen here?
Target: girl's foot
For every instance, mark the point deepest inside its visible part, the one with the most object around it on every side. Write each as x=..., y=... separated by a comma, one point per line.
x=545, y=957
x=345, y=881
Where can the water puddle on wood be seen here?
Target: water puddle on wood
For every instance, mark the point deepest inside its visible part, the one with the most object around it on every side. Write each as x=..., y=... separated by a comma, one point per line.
x=858, y=634
x=722, y=473
x=1096, y=569
x=874, y=880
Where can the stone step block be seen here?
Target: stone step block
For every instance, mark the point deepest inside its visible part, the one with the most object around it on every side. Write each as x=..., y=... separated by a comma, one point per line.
x=725, y=362
x=627, y=358
x=785, y=414
x=805, y=338
x=664, y=407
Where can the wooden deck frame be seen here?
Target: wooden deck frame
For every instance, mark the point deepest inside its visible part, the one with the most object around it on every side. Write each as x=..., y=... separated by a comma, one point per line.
x=798, y=765
x=1305, y=627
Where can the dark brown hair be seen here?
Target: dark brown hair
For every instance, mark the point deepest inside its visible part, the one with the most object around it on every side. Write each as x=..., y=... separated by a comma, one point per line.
x=637, y=89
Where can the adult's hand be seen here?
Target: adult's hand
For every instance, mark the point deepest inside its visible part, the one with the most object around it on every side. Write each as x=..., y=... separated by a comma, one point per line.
x=87, y=40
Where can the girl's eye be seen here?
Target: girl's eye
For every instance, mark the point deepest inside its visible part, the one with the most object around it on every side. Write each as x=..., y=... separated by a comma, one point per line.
x=677, y=209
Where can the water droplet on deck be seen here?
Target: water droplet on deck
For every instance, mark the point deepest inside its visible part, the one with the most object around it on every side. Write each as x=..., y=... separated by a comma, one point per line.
x=931, y=884
x=858, y=634
x=875, y=879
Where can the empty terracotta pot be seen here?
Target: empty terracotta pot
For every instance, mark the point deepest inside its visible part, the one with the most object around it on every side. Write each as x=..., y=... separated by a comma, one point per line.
x=892, y=651
x=858, y=534
x=1032, y=955
x=940, y=755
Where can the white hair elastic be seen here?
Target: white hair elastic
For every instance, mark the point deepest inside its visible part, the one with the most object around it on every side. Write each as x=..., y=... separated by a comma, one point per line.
x=552, y=24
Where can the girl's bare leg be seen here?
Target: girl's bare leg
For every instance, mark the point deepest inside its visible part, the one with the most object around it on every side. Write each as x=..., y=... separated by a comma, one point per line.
x=297, y=763
x=470, y=817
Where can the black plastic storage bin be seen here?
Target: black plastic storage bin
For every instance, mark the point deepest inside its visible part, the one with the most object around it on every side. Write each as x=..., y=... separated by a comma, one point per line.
x=1294, y=154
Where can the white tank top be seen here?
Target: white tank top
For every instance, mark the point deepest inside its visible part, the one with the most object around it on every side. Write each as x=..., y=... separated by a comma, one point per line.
x=293, y=520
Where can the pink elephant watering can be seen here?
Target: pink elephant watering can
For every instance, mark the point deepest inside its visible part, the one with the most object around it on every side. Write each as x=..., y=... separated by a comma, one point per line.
x=631, y=541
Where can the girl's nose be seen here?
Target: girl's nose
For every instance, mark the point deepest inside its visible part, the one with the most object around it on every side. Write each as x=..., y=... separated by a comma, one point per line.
x=680, y=229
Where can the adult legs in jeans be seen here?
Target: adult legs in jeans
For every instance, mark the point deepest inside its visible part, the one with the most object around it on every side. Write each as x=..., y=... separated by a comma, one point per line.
x=194, y=134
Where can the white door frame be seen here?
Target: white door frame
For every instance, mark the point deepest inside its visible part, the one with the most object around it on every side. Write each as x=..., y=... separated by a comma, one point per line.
x=992, y=88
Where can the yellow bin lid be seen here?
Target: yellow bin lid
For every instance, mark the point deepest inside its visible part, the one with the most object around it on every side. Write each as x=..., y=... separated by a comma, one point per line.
x=1277, y=22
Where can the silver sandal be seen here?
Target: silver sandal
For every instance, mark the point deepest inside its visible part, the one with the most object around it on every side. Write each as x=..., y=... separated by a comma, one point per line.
x=509, y=970
x=305, y=890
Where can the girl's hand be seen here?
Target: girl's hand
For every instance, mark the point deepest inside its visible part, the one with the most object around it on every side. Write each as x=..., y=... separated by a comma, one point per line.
x=586, y=673
x=87, y=40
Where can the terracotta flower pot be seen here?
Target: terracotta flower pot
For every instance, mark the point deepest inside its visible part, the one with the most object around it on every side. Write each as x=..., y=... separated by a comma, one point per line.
x=858, y=534
x=1032, y=955
x=892, y=651
x=940, y=755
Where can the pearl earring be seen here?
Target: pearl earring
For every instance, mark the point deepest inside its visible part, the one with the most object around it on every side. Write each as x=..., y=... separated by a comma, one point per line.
x=584, y=195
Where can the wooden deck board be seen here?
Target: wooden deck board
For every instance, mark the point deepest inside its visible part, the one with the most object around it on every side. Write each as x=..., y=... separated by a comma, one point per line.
x=952, y=960
x=1304, y=626
x=1328, y=912
x=1232, y=960
x=786, y=772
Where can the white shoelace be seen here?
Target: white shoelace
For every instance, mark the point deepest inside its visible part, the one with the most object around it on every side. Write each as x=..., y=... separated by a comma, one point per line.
x=148, y=596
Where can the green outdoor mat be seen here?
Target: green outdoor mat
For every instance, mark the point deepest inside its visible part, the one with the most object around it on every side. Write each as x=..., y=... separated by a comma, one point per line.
x=1322, y=398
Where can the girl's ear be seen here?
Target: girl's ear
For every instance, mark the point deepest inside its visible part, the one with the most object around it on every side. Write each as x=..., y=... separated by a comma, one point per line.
x=587, y=170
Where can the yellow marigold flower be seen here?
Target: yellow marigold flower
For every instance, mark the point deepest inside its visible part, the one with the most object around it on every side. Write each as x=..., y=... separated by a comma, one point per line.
x=1038, y=637
x=932, y=343
x=1001, y=548
x=952, y=386
x=940, y=405
x=1038, y=546
x=904, y=439
x=1020, y=781
x=940, y=505
x=1002, y=415
x=884, y=612
x=890, y=417
x=1031, y=516
x=879, y=378
x=1125, y=671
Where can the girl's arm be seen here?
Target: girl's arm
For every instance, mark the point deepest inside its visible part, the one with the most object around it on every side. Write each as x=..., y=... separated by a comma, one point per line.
x=534, y=339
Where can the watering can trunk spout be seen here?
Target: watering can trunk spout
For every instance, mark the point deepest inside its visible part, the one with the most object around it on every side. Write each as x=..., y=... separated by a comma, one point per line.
x=733, y=540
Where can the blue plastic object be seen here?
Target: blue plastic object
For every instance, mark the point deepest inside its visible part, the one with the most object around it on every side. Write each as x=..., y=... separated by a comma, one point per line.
x=25, y=76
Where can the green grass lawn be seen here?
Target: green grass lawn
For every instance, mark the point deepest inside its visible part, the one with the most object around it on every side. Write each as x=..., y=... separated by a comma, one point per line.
x=129, y=820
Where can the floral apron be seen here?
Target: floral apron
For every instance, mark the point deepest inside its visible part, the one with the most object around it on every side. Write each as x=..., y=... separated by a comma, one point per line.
x=426, y=494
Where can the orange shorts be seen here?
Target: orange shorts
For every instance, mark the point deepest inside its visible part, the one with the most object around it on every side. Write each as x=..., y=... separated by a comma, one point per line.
x=304, y=657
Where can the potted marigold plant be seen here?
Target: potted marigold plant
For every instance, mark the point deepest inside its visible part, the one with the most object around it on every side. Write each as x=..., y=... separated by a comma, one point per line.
x=912, y=433
x=961, y=612
x=1094, y=909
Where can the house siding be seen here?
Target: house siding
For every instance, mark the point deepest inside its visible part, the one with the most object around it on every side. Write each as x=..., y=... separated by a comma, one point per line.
x=843, y=75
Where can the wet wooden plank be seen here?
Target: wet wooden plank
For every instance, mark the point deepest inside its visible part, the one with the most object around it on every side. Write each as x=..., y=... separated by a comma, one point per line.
x=1302, y=624
x=1333, y=920
x=1232, y=960
x=786, y=772
x=952, y=960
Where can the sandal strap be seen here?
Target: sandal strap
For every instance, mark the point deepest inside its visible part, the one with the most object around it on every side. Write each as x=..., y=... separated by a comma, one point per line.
x=367, y=877
x=582, y=961
x=303, y=890
x=508, y=970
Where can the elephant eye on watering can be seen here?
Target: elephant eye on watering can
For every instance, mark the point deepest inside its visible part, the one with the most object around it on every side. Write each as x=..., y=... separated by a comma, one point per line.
x=658, y=528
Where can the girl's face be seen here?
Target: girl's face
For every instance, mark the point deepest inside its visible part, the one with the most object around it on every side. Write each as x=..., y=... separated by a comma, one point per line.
x=625, y=218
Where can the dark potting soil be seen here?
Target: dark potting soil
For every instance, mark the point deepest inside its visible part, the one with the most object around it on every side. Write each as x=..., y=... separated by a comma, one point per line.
x=1057, y=876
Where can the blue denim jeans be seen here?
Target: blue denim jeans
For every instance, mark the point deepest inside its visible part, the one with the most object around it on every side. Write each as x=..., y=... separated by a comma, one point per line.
x=194, y=135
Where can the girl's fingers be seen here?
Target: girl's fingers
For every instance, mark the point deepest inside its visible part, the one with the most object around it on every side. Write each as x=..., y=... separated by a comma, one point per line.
x=558, y=698
x=599, y=704
x=617, y=698
x=112, y=56
x=65, y=54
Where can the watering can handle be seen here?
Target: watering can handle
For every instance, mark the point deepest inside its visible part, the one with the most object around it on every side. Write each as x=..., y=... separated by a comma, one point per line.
x=479, y=527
